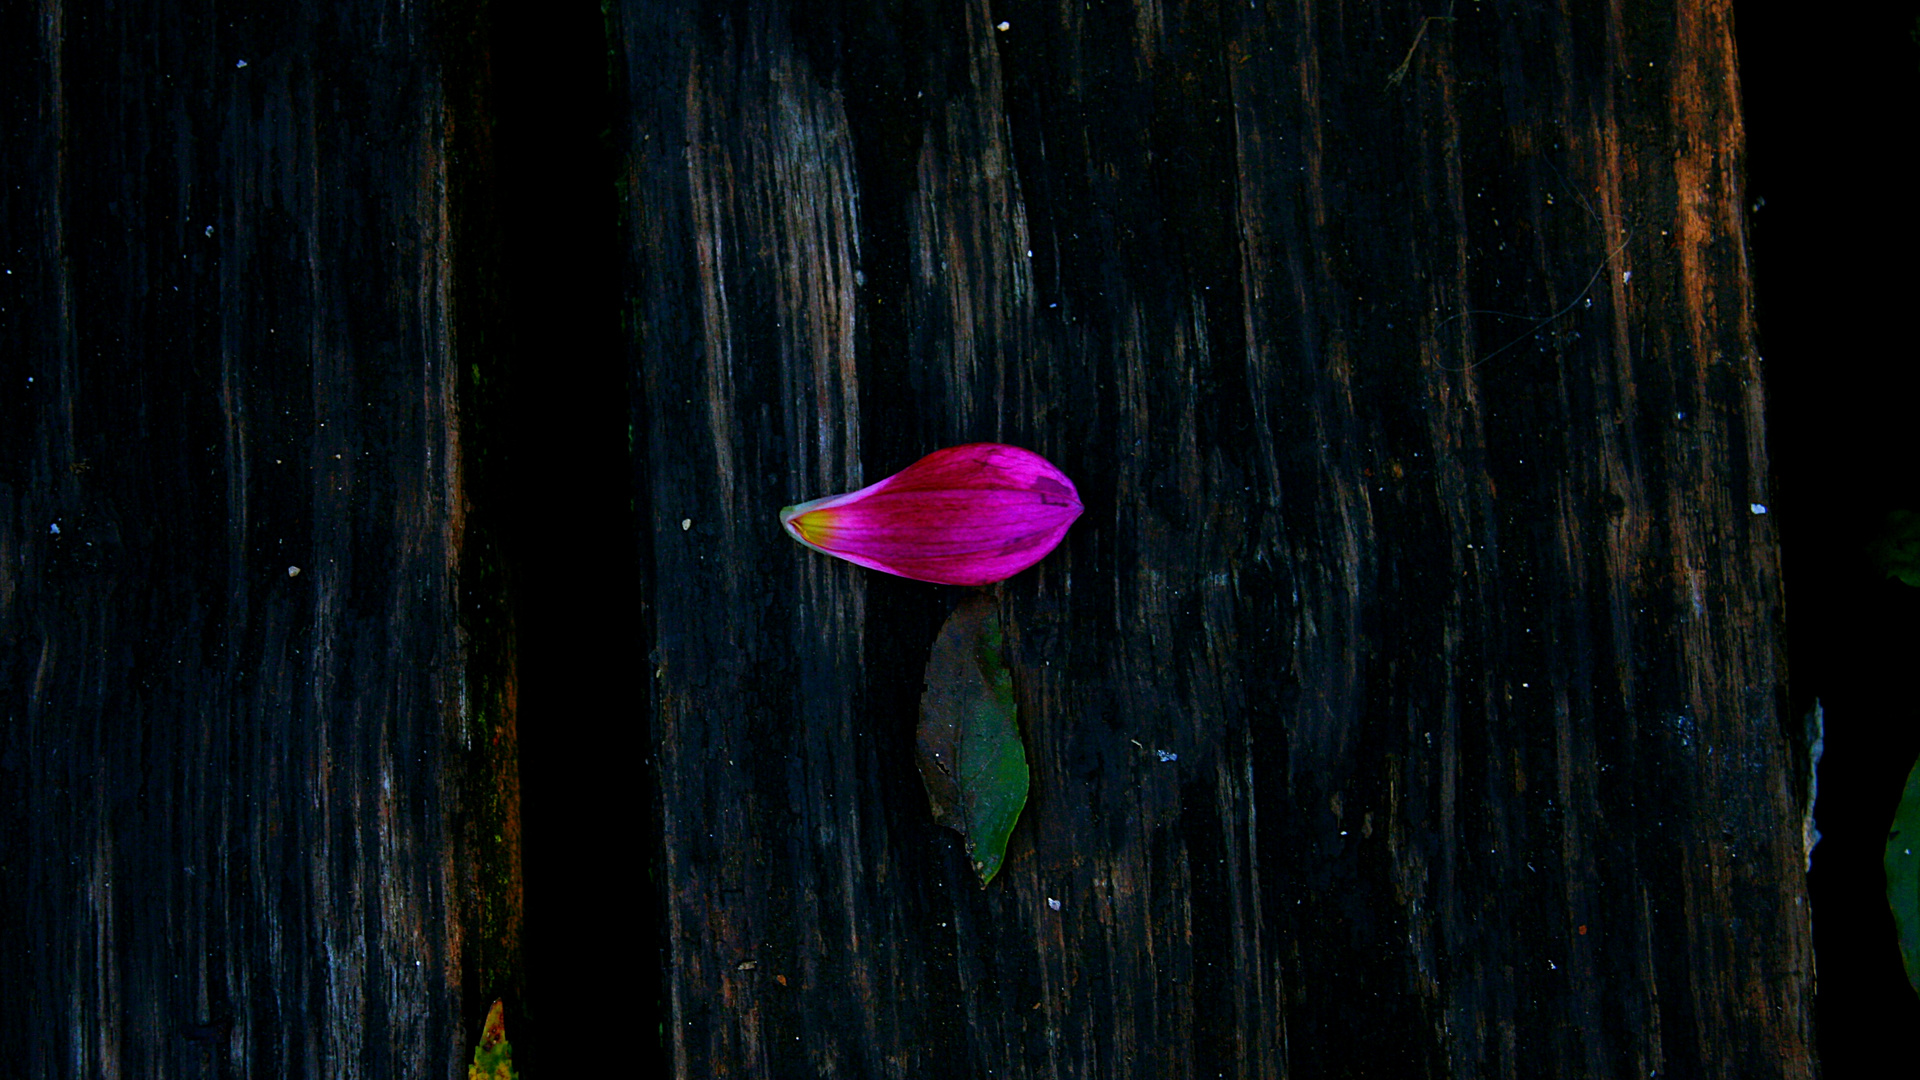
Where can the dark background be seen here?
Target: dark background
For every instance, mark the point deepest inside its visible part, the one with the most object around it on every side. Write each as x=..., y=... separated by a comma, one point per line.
x=592, y=923
x=1822, y=97
x=1830, y=113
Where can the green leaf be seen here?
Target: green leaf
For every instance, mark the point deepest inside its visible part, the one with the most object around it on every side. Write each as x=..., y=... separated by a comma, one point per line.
x=1903, y=875
x=968, y=745
x=1897, y=548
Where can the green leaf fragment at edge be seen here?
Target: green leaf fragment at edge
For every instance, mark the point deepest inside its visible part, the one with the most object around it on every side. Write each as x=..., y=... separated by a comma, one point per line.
x=1903, y=875
x=1897, y=547
x=968, y=745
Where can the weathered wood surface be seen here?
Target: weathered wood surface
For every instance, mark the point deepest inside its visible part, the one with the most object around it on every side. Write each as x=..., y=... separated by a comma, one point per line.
x=243, y=811
x=1409, y=700
x=1407, y=703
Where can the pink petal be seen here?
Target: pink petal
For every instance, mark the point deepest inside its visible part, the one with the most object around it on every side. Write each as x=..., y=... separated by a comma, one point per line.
x=966, y=515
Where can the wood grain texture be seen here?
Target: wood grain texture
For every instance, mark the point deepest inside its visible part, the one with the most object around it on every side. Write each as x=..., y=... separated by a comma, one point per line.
x=245, y=731
x=1408, y=700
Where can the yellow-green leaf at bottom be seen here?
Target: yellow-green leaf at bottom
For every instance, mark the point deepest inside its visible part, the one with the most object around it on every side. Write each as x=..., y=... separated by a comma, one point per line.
x=968, y=745
x=493, y=1058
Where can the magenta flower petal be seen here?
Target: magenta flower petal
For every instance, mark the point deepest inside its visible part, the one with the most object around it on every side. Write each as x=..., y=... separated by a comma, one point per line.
x=966, y=515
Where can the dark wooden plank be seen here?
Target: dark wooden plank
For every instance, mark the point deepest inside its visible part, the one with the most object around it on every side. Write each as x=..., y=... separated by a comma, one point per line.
x=256, y=780
x=1406, y=703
